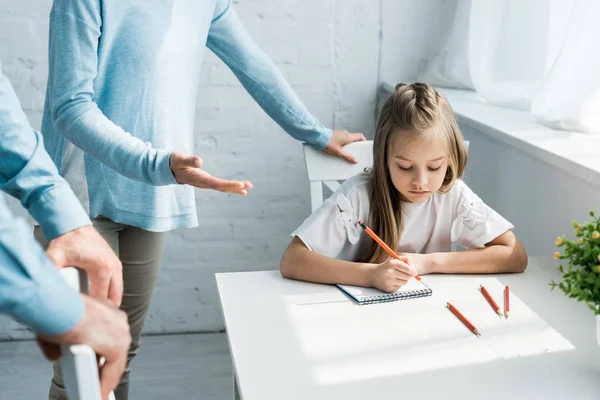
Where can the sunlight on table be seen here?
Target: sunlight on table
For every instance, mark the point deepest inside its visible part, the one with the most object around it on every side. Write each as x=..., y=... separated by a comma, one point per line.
x=348, y=342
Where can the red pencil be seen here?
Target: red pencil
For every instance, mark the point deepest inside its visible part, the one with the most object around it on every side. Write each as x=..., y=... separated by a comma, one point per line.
x=490, y=300
x=506, y=302
x=463, y=319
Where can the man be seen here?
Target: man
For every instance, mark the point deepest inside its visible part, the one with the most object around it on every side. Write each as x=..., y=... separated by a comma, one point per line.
x=31, y=289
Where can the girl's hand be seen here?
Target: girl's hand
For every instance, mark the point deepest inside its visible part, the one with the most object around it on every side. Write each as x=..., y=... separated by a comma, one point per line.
x=391, y=275
x=419, y=262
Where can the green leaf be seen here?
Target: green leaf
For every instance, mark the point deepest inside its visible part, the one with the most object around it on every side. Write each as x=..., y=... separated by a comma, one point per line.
x=575, y=291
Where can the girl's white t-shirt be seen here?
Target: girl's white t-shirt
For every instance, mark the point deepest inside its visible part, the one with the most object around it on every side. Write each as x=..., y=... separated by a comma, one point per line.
x=457, y=216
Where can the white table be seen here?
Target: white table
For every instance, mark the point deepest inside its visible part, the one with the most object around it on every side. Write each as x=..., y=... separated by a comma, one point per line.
x=296, y=340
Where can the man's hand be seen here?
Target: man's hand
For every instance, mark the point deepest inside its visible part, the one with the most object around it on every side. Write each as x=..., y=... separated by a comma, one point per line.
x=188, y=170
x=105, y=329
x=338, y=140
x=85, y=249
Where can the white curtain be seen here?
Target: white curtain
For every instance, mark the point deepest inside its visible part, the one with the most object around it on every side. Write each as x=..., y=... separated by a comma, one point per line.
x=536, y=55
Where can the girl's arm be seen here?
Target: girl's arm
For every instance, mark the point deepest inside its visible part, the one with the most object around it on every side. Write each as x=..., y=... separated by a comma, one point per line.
x=503, y=254
x=298, y=262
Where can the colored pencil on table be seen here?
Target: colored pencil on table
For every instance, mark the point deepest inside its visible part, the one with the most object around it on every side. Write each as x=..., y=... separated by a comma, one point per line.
x=490, y=300
x=382, y=244
x=506, y=301
x=463, y=319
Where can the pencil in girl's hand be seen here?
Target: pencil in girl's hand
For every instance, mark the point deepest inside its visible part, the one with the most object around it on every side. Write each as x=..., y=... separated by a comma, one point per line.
x=382, y=244
x=463, y=319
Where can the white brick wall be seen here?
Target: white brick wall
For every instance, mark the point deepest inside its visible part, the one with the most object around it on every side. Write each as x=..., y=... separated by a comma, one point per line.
x=328, y=50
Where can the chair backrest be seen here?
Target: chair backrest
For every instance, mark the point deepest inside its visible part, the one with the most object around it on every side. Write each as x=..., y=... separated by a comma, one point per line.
x=79, y=363
x=326, y=170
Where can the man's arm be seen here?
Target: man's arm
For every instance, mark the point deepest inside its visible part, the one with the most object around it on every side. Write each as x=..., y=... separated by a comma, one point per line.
x=28, y=174
x=33, y=292
x=31, y=289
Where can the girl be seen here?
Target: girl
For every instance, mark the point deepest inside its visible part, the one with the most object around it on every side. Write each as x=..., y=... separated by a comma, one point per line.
x=415, y=201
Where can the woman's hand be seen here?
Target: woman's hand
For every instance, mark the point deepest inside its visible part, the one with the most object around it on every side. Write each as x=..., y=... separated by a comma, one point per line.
x=337, y=142
x=188, y=170
x=389, y=276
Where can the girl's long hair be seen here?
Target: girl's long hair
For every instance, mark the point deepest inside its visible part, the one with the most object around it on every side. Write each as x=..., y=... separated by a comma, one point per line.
x=417, y=111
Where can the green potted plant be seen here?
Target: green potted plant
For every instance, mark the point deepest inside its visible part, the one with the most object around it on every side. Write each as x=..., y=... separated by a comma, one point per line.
x=581, y=274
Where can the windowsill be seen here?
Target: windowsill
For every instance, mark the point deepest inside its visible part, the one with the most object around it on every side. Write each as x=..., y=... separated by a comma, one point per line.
x=575, y=153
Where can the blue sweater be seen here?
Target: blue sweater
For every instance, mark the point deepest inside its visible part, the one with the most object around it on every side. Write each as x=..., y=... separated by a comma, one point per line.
x=121, y=96
x=31, y=289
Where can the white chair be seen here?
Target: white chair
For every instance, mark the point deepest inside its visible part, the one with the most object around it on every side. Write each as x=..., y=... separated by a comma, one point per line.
x=78, y=362
x=326, y=170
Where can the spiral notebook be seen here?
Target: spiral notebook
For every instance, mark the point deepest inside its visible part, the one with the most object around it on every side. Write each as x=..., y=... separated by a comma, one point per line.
x=411, y=290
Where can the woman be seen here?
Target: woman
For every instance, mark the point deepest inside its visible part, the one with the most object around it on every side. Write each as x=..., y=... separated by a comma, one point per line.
x=118, y=122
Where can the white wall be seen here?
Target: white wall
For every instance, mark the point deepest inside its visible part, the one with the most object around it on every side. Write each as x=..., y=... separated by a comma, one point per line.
x=333, y=52
x=412, y=33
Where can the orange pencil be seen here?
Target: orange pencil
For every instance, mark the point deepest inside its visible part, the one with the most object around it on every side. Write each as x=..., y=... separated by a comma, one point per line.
x=506, y=302
x=382, y=244
x=490, y=300
x=463, y=319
